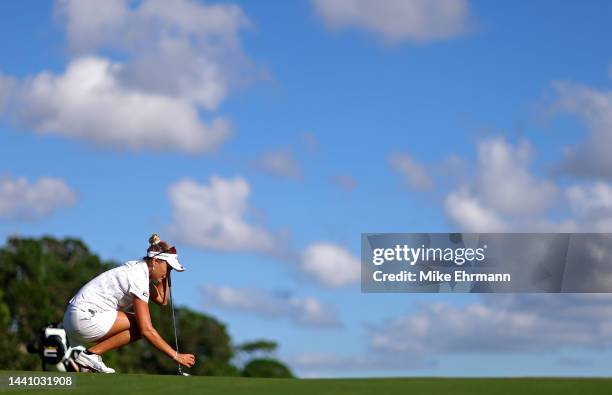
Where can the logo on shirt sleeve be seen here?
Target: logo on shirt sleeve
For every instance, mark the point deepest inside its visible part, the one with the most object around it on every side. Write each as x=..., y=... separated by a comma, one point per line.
x=145, y=294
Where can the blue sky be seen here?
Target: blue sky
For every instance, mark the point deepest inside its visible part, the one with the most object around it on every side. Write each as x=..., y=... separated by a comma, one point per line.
x=482, y=100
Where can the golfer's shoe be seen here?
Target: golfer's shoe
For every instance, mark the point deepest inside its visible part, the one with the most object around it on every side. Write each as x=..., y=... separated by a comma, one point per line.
x=93, y=362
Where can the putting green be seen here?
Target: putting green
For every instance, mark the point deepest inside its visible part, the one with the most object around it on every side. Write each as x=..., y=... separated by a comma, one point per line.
x=114, y=384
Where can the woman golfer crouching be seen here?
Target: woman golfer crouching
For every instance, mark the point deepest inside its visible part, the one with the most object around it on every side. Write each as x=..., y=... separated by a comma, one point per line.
x=95, y=314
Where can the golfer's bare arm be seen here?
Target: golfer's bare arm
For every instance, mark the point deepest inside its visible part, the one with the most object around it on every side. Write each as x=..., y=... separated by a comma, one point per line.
x=143, y=316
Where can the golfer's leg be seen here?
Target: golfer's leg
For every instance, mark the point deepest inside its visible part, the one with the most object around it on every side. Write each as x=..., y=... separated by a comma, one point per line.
x=123, y=331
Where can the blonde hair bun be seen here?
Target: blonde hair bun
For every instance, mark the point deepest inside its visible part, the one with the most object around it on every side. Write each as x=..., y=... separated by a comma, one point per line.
x=154, y=239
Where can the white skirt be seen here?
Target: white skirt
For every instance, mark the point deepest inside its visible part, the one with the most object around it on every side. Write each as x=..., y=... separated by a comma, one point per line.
x=87, y=326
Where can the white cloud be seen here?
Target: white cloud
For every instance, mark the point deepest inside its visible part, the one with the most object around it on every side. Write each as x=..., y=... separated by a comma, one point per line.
x=330, y=265
x=470, y=214
x=214, y=216
x=597, y=196
x=281, y=163
x=505, y=196
x=495, y=325
x=504, y=182
x=508, y=323
x=304, y=311
x=503, y=193
x=413, y=172
x=22, y=199
x=177, y=61
x=591, y=158
x=180, y=48
x=88, y=102
x=85, y=29
x=592, y=205
x=398, y=20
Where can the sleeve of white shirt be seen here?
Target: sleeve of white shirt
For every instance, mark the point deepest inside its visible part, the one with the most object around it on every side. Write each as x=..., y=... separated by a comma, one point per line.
x=138, y=285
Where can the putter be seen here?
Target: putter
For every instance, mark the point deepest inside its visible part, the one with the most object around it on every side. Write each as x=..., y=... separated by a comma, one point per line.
x=180, y=370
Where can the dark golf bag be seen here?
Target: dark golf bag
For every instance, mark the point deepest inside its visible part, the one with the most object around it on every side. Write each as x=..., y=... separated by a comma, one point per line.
x=54, y=350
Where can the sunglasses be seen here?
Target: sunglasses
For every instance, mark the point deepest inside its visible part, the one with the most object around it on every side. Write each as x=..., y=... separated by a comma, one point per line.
x=171, y=250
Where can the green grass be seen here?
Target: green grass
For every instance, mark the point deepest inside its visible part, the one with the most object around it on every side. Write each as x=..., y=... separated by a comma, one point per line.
x=114, y=384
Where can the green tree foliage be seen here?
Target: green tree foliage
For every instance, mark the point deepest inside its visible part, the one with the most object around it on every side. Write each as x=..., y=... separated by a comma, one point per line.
x=266, y=367
x=39, y=276
x=266, y=346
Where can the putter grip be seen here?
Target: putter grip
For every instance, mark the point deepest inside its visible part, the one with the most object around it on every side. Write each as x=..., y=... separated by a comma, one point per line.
x=169, y=280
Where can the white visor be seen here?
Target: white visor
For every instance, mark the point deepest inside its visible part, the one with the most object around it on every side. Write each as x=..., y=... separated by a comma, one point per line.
x=172, y=259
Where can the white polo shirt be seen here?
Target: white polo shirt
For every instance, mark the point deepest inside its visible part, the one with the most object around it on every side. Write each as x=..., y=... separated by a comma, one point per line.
x=115, y=288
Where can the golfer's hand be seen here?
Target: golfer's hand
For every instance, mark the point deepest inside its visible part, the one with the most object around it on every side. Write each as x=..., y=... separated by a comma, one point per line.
x=187, y=360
